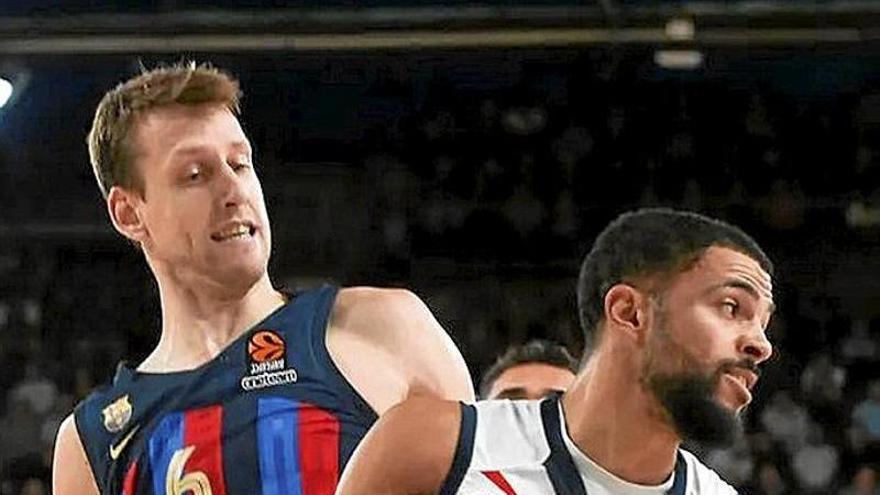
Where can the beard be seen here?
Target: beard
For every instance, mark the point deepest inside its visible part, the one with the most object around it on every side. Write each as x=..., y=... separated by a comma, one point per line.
x=688, y=398
x=693, y=410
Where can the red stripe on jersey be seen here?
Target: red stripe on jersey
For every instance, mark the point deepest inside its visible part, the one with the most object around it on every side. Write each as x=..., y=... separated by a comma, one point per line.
x=130, y=479
x=318, y=450
x=498, y=479
x=201, y=430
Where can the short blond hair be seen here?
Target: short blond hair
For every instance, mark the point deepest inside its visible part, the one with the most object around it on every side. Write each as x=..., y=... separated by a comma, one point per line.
x=109, y=140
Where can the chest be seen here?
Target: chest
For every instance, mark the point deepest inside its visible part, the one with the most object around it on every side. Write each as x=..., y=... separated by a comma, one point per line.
x=285, y=425
x=277, y=443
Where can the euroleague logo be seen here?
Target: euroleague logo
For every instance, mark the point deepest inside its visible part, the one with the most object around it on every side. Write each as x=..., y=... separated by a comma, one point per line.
x=266, y=345
x=267, y=352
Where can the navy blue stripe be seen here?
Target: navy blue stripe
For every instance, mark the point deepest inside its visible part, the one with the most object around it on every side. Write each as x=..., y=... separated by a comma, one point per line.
x=240, y=463
x=94, y=441
x=145, y=475
x=560, y=466
x=680, y=483
x=464, y=451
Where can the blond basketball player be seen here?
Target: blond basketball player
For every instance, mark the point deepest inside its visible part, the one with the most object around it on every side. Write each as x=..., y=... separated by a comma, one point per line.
x=249, y=389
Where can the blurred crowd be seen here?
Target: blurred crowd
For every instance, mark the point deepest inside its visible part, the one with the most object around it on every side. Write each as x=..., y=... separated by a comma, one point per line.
x=482, y=192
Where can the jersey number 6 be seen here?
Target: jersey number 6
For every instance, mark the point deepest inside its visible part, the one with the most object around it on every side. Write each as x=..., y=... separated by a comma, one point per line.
x=195, y=483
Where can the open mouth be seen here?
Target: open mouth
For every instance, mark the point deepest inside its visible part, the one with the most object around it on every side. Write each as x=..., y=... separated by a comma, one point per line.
x=742, y=382
x=739, y=379
x=744, y=377
x=234, y=231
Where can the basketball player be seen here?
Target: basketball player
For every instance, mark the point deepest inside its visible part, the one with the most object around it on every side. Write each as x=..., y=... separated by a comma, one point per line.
x=250, y=390
x=677, y=305
x=532, y=370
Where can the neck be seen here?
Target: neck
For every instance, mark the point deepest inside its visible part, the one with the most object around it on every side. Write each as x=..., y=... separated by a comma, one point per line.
x=617, y=424
x=198, y=322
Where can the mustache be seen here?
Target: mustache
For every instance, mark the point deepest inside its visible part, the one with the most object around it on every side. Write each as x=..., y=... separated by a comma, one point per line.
x=731, y=364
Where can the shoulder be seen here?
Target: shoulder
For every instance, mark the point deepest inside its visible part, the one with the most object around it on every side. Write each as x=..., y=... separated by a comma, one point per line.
x=88, y=415
x=383, y=319
x=394, y=328
x=509, y=433
x=71, y=471
x=418, y=414
x=378, y=303
x=107, y=404
x=99, y=418
x=702, y=479
x=401, y=431
x=67, y=433
x=387, y=316
x=397, y=457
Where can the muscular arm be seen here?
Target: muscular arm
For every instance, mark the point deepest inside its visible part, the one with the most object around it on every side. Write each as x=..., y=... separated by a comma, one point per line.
x=71, y=474
x=409, y=451
x=389, y=346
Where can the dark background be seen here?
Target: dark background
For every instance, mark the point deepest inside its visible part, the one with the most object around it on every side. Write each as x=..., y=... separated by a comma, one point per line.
x=477, y=175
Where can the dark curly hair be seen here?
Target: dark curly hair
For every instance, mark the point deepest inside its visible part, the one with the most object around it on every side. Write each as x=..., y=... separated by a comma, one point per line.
x=651, y=241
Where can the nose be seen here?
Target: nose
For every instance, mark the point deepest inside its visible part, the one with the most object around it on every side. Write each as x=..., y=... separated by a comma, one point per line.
x=231, y=187
x=756, y=346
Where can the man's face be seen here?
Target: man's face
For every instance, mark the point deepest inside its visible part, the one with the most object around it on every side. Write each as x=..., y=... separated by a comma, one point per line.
x=203, y=211
x=530, y=381
x=709, y=336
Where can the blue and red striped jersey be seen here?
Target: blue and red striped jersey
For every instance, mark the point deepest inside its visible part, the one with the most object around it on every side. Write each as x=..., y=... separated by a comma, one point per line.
x=270, y=415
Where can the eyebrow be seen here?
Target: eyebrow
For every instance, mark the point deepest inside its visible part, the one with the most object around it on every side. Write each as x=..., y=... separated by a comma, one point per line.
x=516, y=392
x=735, y=283
x=200, y=148
x=511, y=392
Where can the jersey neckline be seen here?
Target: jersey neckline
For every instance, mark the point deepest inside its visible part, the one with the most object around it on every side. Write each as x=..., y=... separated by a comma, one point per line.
x=605, y=477
x=227, y=355
x=567, y=461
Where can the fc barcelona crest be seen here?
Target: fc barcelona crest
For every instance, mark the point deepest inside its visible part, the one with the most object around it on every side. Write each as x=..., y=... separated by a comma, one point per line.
x=117, y=414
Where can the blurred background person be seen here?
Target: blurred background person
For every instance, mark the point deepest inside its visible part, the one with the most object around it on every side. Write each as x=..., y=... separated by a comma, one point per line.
x=529, y=371
x=863, y=482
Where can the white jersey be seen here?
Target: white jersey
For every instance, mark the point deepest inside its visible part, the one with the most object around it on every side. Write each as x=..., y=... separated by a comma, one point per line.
x=522, y=448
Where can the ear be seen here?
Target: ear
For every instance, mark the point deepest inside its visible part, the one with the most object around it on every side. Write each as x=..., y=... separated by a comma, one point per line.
x=122, y=205
x=627, y=311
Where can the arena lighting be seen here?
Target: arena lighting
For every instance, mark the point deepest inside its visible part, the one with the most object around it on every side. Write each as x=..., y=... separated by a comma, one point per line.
x=679, y=59
x=6, y=90
x=14, y=79
x=680, y=29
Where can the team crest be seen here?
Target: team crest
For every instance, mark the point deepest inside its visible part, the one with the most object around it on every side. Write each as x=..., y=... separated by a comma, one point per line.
x=268, y=367
x=117, y=414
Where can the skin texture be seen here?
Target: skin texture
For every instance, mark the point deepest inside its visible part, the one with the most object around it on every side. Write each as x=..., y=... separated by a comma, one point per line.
x=701, y=327
x=530, y=381
x=200, y=183
x=715, y=312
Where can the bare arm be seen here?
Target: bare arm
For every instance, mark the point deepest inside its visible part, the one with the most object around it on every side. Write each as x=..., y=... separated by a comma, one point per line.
x=389, y=346
x=71, y=473
x=409, y=451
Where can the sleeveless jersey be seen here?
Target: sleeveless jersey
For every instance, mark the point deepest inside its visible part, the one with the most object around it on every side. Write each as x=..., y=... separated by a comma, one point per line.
x=522, y=448
x=270, y=415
